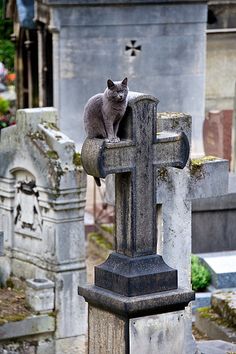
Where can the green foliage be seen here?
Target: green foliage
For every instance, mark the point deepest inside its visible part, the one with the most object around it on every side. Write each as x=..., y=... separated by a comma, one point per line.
x=4, y=106
x=200, y=275
x=7, y=49
x=6, y=114
x=7, y=53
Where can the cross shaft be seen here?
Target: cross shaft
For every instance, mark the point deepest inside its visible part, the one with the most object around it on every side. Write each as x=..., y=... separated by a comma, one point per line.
x=134, y=161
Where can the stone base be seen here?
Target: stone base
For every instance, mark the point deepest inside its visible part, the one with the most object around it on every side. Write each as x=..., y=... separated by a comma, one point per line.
x=134, y=276
x=111, y=333
x=161, y=302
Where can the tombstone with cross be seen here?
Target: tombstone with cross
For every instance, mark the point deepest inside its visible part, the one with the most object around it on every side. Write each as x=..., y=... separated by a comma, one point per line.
x=135, y=281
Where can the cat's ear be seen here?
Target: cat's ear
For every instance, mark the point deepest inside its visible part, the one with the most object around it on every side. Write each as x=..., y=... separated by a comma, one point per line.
x=125, y=82
x=110, y=84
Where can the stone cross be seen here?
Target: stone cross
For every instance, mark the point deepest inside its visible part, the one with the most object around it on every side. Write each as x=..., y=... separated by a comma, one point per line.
x=134, y=161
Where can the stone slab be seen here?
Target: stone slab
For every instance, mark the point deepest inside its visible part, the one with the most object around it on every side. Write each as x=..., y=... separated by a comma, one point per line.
x=216, y=347
x=137, y=305
x=222, y=266
x=214, y=330
x=29, y=326
x=224, y=303
x=162, y=333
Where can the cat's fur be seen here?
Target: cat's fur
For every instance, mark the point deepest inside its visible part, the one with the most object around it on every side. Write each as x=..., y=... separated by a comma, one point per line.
x=104, y=111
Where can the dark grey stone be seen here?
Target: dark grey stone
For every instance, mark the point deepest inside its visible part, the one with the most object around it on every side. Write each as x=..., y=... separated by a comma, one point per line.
x=132, y=276
x=214, y=224
x=134, y=161
x=134, y=306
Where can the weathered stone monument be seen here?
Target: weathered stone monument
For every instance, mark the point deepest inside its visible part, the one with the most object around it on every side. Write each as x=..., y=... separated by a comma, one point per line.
x=134, y=289
x=42, y=199
x=131, y=282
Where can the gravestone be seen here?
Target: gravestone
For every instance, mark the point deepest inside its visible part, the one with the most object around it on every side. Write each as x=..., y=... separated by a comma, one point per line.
x=42, y=200
x=150, y=42
x=214, y=222
x=135, y=287
x=217, y=130
x=222, y=266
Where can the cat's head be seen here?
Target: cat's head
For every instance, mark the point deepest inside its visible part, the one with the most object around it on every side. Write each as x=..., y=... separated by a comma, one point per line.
x=117, y=91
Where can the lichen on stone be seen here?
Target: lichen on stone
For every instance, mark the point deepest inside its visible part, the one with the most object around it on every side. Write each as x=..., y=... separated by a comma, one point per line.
x=50, y=125
x=52, y=154
x=162, y=174
x=77, y=159
x=36, y=136
x=196, y=165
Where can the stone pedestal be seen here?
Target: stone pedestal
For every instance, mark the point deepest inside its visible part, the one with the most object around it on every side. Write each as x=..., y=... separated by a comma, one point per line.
x=40, y=294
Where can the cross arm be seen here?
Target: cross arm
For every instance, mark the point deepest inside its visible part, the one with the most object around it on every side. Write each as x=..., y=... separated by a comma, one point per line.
x=100, y=158
x=171, y=149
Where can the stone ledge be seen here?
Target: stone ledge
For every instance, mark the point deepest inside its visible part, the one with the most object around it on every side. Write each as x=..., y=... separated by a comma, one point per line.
x=214, y=330
x=134, y=306
x=27, y=327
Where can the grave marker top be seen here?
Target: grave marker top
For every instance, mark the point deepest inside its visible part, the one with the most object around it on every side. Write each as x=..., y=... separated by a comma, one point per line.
x=133, y=160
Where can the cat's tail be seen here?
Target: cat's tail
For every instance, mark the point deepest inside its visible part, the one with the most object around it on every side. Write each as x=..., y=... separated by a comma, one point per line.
x=97, y=181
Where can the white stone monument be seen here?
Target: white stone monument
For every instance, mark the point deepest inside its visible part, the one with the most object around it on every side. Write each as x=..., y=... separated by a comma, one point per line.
x=42, y=200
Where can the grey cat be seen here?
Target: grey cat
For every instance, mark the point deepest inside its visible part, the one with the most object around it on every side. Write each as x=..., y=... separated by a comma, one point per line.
x=104, y=111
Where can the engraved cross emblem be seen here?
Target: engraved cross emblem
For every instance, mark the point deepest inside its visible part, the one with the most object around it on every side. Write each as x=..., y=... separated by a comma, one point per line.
x=134, y=49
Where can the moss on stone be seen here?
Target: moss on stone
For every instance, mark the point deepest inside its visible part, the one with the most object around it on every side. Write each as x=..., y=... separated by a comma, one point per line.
x=77, y=159
x=13, y=318
x=37, y=136
x=208, y=313
x=200, y=161
x=52, y=154
x=50, y=125
x=196, y=165
x=100, y=240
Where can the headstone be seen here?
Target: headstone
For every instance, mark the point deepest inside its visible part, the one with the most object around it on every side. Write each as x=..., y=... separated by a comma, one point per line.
x=135, y=280
x=217, y=130
x=222, y=266
x=233, y=162
x=93, y=40
x=42, y=200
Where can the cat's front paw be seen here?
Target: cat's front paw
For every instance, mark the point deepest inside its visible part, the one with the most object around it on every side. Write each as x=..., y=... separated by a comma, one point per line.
x=115, y=139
